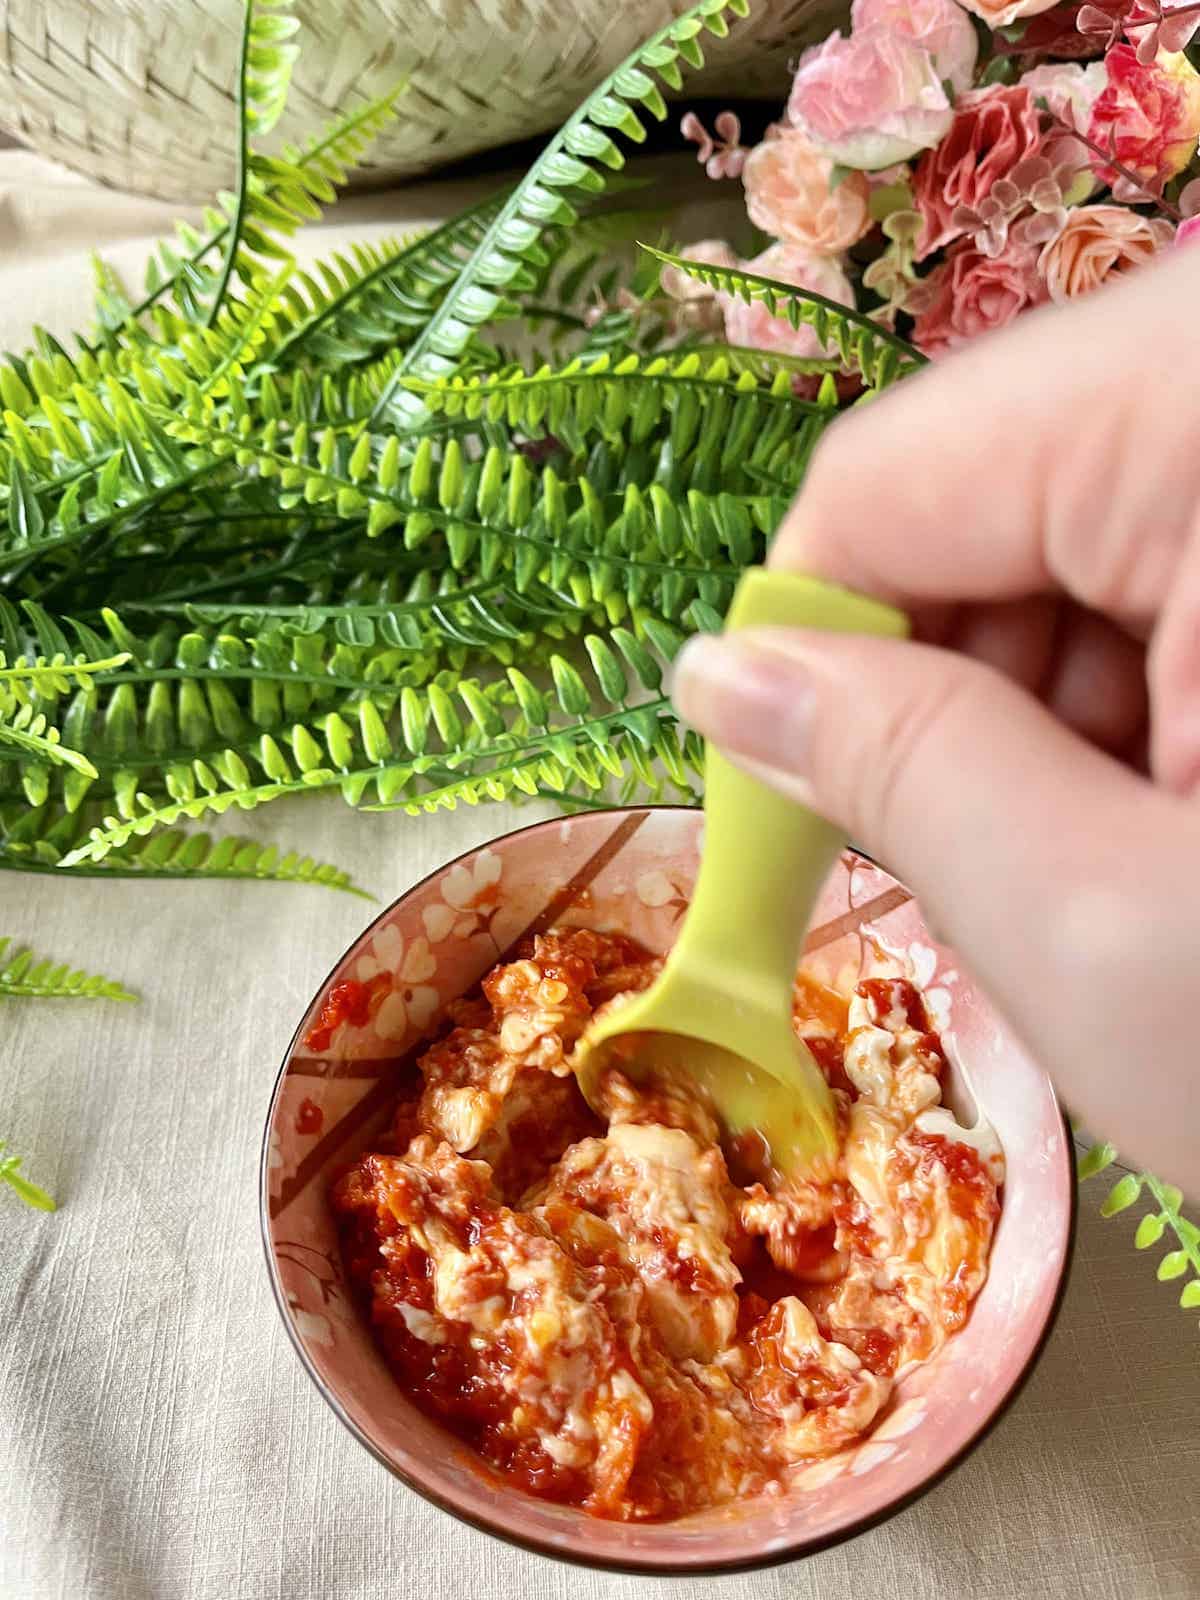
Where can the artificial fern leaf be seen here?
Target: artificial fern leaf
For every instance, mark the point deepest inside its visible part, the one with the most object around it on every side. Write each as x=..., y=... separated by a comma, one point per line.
x=1182, y=1259
x=866, y=346
x=26, y=976
x=264, y=72
x=569, y=165
x=290, y=184
x=21, y=1186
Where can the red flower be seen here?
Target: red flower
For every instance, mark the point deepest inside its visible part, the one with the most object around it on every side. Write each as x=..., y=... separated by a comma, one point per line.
x=1148, y=117
x=993, y=130
x=971, y=293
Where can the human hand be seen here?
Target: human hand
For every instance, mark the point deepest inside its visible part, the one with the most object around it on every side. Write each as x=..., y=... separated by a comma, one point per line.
x=1031, y=765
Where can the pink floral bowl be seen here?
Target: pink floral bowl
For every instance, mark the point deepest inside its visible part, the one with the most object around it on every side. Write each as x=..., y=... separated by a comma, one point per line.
x=634, y=871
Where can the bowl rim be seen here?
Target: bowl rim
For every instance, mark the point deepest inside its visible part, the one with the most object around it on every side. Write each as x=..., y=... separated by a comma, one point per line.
x=496, y=1527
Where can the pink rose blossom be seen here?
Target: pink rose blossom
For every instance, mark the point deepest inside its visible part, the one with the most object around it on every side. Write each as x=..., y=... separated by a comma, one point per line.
x=788, y=195
x=724, y=156
x=994, y=129
x=971, y=293
x=941, y=26
x=1098, y=243
x=870, y=100
x=1148, y=116
x=752, y=324
x=1188, y=230
x=1003, y=13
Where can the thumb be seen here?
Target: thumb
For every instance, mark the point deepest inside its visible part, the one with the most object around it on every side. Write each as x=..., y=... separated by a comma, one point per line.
x=1045, y=863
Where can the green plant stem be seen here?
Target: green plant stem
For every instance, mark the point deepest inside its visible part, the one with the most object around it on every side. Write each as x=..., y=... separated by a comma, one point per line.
x=238, y=220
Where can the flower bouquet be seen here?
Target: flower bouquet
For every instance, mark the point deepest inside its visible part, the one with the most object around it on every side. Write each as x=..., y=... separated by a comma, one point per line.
x=946, y=166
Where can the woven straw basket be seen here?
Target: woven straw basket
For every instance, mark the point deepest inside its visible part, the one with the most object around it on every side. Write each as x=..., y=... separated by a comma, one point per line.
x=139, y=93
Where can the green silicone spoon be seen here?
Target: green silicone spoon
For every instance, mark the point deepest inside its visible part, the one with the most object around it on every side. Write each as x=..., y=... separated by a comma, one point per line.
x=720, y=1013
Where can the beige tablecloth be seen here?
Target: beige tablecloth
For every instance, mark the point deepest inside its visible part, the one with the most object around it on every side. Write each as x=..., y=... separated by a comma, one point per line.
x=158, y=1439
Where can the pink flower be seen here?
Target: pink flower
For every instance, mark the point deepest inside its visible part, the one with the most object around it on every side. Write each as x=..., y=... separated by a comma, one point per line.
x=993, y=130
x=941, y=26
x=971, y=293
x=1003, y=13
x=754, y=325
x=724, y=156
x=1148, y=117
x=1187, y=230
x=1098, y=243
x=788, y=195
x=869, y=100
x=1069, y=90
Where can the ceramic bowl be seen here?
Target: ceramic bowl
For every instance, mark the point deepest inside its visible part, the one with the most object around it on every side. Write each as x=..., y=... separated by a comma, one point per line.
x=634, y=870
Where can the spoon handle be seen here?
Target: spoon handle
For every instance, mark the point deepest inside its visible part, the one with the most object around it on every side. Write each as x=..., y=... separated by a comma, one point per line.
x=766, y=857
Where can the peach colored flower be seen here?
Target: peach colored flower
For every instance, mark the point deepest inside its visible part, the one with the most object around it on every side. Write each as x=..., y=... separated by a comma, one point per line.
x=870, y=100
x=971, y=293
x=754, y=325
x=1003, y=13
x=993, y=130
x=1148, y=116
x=788, y=195
x=941, y=26
x=1098, y=243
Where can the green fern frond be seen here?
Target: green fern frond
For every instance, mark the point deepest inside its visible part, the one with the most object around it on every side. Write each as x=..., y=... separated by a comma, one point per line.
x=26, y=976
x=21, y=1186
x=864, y=345
x=706, y=407
x=441, y=743
x=294, y=182
x=264, y=72
x=1165, y=1219
x=52, y=677
x=570, y=165
x=29, y=733
x=353, y=307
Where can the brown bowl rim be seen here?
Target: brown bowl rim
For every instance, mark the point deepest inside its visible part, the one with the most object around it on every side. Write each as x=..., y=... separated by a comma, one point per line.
x=683, y=1567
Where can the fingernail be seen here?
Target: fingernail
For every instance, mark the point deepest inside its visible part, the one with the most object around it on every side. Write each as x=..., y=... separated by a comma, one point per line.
x=755, y=704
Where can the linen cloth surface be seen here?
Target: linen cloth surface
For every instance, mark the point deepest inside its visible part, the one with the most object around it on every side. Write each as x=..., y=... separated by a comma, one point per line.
x=158, y=1438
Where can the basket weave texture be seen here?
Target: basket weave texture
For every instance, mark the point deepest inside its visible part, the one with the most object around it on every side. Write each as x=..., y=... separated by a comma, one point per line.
x=139, y=93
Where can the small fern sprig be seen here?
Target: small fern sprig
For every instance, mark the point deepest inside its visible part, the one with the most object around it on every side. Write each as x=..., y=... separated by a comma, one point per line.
x=1167, y=1219
x=264, y=72
x=21, y=1186
x=878, y=354
x=25, y=976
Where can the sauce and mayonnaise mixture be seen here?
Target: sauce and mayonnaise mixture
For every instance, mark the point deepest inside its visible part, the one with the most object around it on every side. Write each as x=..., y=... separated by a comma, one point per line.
x=622, y=1316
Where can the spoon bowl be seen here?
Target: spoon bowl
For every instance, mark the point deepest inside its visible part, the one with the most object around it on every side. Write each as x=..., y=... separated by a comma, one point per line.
x=720, y=1013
